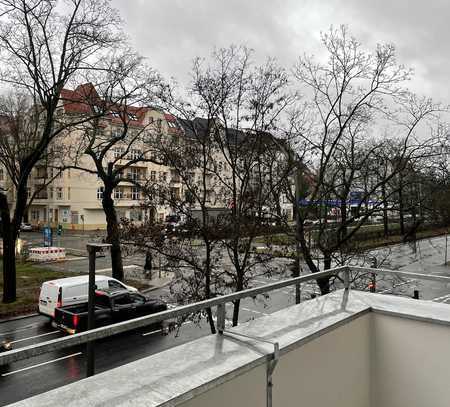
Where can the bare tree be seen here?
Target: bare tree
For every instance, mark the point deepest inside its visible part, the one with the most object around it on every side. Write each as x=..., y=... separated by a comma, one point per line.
x=43, y=48
x=250, y=101
x=122, y=134
x=351, y=94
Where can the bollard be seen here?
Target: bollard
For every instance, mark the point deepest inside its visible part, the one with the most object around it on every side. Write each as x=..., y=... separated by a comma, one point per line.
x=416, y=294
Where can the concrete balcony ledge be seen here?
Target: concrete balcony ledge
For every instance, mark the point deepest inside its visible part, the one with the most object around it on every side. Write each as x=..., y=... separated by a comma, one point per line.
x=343, y=349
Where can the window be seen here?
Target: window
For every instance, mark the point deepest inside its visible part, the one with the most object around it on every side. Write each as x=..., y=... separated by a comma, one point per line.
x=136, y=215
x=163, y=176
x=118, y=193
x=132, y=116
x=153, y=176
x=116, y=132
x=2, y=174
x=115, y=113
x=35, y=214
x=117, y=151
x=123, y=300
x=102, y=300
x=100, y=192
x=135, y=193
x=115, y=284
x=137, y=299
x=172, y=125
x=75, y=217
x=133, y=174
x=134, y=154
x=59, y=193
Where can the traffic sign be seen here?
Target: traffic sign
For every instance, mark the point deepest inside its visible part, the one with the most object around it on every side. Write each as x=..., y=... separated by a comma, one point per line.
x=48, y=241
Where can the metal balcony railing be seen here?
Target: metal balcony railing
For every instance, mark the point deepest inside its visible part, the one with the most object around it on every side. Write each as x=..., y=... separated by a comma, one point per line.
x=219, y=302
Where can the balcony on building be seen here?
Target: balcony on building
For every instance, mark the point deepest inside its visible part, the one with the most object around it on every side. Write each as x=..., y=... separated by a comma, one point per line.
x=345, y=349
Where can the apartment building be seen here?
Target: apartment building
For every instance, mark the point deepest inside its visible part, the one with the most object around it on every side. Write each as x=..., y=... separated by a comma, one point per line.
x=73, y=198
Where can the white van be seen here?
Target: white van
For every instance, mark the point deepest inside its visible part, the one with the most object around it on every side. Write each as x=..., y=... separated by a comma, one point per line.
x=72, y=290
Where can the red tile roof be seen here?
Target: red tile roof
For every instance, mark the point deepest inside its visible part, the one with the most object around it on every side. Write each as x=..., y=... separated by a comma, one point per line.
x=83, y=97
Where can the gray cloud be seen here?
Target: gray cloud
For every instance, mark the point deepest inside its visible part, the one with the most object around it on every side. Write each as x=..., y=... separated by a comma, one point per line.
x=171, y=33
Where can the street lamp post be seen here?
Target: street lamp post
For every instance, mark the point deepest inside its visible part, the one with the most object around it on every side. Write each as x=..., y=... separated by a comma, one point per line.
x=92, y=249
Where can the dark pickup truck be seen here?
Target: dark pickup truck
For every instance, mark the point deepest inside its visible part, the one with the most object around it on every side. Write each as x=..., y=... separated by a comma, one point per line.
x=111, y=306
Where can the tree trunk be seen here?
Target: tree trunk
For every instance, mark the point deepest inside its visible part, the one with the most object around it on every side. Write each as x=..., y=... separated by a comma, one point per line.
x=236, y=304
x=385, y=216
x=401, y=209
x=324, y=283
x=9, y=253
x=343, y=231
x=9, y=266
x=113, y=236
x=212, y=326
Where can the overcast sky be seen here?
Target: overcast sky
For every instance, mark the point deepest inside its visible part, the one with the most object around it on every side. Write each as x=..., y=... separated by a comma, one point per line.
x=171, y=33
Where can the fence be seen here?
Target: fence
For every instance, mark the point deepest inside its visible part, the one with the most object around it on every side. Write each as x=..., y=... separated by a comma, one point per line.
x=219, y=302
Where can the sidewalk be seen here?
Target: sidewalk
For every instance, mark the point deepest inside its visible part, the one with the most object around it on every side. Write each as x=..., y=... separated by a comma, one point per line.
x=159, y=282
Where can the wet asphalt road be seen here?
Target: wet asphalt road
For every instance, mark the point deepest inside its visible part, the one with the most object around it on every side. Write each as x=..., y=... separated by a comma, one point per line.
x=30, y=377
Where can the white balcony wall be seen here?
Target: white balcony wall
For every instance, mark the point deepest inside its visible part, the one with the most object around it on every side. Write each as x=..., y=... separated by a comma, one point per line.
x=410, y=363
x=331, y=371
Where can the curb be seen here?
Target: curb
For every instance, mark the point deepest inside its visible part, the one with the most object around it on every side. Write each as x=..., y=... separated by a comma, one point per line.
x=155, y=288
x=19, y=317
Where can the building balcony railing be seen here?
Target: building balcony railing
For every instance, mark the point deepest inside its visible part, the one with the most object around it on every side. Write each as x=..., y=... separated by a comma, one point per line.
x=345, y=349
x=128, y=197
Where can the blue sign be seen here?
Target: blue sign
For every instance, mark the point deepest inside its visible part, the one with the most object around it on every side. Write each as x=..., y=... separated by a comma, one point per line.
x=48, y=241
x=335, y=202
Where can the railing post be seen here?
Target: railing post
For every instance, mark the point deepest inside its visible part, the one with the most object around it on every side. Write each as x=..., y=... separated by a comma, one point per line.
x=270, y=369
x=347, y=278
x=221, y=314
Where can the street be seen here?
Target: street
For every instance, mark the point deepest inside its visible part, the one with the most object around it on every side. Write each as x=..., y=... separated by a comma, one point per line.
x=30, y=377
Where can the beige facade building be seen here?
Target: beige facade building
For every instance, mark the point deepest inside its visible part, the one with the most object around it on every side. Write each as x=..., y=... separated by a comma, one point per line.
x=73, y=198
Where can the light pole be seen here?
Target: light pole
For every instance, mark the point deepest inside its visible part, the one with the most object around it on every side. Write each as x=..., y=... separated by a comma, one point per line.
x=92, y=249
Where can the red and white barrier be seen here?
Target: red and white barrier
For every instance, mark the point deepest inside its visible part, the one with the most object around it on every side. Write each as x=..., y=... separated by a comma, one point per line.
x=47, y=253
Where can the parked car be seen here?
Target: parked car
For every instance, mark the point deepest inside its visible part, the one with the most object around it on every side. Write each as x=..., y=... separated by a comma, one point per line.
x=73, y=290
x=26, y=227
x=311, y=222
x=111, y=306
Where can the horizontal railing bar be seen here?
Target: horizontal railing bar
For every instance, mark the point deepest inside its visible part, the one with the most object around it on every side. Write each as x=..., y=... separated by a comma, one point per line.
x=405, y=274
x=121, y=327
x=110, y=330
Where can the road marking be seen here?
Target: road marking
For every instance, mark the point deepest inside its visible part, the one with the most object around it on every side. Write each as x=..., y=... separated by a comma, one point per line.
x=152, y=332
x=19, y=330
x=254, y=311
x=41, y=364
x=443, y=298
x=130, y=266
x=32, y=337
